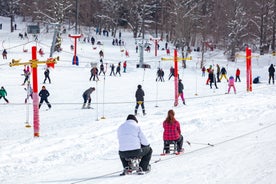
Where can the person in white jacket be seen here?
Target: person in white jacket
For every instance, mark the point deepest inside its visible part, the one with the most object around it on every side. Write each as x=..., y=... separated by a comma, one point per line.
x=133, y=143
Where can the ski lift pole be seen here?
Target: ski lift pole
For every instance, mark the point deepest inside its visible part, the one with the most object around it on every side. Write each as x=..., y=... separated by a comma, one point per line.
x=97, y=101
x=34, y=63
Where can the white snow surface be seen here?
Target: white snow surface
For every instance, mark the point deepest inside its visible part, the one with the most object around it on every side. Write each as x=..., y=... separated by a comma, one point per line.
x=80, y=146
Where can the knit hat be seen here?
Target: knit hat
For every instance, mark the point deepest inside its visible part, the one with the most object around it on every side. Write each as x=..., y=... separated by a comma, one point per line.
x=131, y=116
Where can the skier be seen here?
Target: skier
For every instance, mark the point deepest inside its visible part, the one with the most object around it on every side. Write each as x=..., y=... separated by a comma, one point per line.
x=4, y=54
x=172, y=132
x=112, y=70
x=218, y=72
x=271, y=71
x=94, y=73
x=86, y=97
x=212, y=78
x=118, y=69
x=171, y=72
x=133, y=143
x=238, y=72
x=208, y=71
x=44, y=94
x=102, y=68
x=26, y=73
x=231, y=84
x=203, y=70
x=180, y=90
x=47, y=75
x=124, y=66
x=3, y=93
x=139, y=99
x=223, y=74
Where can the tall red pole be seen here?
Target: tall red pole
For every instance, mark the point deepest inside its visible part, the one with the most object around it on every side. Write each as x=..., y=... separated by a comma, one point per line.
x=35, y=93
x=175, y=78
x=248, y=70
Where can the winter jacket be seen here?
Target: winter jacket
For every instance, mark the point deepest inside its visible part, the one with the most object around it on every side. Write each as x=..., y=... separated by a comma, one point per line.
x=88, y=92
x=130, y=136
x=238, y=72
x=139, y=95
x=172, y=131
x=44, y=94
x=211, y=76
x=3, y=92
x=47, y=72
x=223, y=70
x=231, y=81
x=180, y=87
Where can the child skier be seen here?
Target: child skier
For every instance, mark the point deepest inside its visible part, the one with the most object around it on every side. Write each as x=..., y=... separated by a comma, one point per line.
x=231, y=83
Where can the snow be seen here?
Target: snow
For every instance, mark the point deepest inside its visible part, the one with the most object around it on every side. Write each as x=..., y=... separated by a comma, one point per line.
x=79, y=146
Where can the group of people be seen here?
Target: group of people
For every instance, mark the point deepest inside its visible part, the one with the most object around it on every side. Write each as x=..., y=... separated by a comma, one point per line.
x=134, y=144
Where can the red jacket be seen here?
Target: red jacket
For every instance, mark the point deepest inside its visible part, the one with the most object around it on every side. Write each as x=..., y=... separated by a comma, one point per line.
x=238, y=72
x=171, y=131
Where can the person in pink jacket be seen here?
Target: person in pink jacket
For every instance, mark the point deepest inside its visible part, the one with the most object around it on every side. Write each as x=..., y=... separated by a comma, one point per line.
x=231, y=83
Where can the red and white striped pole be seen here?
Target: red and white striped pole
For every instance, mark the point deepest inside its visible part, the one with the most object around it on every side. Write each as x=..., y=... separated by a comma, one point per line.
x=35, y=93
x=175, y=78
x=248, y=70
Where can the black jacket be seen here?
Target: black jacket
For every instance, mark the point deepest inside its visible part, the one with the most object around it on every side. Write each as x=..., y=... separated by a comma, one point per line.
x=139, y=95
x=44, y=93
x=271, y=70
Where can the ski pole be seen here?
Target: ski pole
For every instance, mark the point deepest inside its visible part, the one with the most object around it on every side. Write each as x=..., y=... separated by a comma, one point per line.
x=208, y=144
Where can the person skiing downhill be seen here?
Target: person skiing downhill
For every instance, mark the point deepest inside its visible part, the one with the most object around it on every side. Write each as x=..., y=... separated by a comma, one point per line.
x=86, y=97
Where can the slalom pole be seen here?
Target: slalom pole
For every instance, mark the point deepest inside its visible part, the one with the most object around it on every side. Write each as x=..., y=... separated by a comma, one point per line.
x=103, y=96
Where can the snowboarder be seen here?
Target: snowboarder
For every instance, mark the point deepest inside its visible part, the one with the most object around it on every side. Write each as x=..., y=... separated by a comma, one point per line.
x=180, y=90
x=44, y=94
x=3, y=93
x=231, y=84
x=86, y=97
x=133, y=143
x=47, y=75
x=139, y=99
x=271, y=71
x=172, y=132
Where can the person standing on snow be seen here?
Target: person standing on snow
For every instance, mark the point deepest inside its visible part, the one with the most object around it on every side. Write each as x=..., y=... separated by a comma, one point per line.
x=3, y=93
x=212, y=78
x=172, y=132
x=139, y=95
x=180, y=90
x=44, y=94
x=231, y=83
x=133, y=143
x=47, y=75
x=271, y=71
x=238, y=73
x=87, y=97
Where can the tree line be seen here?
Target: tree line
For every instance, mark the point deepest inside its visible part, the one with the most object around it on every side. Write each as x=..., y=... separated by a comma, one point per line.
x=226, y=24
